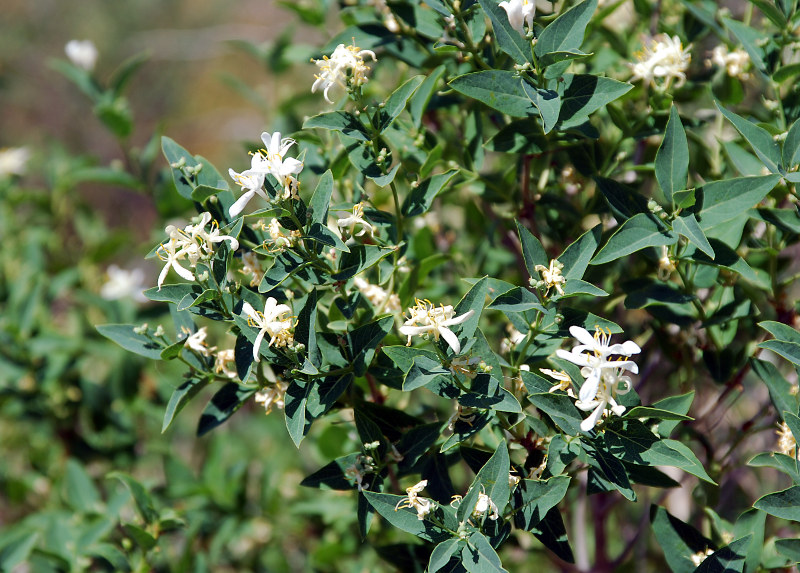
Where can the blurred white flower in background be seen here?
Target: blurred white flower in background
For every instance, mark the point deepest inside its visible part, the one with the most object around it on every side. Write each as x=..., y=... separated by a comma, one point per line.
x=14, y=160
x=82, y=53
x=736, y=63
x=122, y=283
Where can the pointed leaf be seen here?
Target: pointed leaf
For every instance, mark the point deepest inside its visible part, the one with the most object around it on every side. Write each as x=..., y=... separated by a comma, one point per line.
x=509, y=40
x=396, y=102
x=638, y=232
x=686, y=224
x=566, y=32
x=672, y=158
x=341, y=121
x=583, y=94
x=498, y=89
x=784, y=504
x=759, y=139
x=223, y=405
x=180, y=397
x=124, y=335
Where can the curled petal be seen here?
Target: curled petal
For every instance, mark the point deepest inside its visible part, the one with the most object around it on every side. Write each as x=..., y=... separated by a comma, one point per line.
x=450, y=338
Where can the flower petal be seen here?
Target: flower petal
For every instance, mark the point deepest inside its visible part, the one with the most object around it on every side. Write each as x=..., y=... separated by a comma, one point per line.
x=450, y=338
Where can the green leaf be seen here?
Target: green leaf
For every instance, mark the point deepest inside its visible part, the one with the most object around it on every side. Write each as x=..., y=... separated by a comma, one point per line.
x=553, y=535
x=788, y=547
x=532, y=251
x=79, y=489
x=781, y=331
x=341, y=121
x=638, y=232
x=724, y=256
x=576, y=286
x=561, y=409
x=750, y=39
x=684, y=199
x=16, y=551
x=547, y=102
x=622, y=199
x=421, y=98
x=518, y=299
x=686, y=224
x=728, y=559
x=141, y=497
x=562, y=56
x=421, y=197
x=406, y=520
x=223, y=405
x=174, y=154
x=441, y=554
x=780, y=390
x=655, y=413
x=321, y=199
x=760, y=140
x=509, y=40
x=781, y=75
x=124, y=335
x=478, y=556
x=672, y=158
x=566, y=32
x=769, y=10
x=141, y=537
x=784, y=504
x=780, y=462
x=498, y=89
x=365, y=339
x=692, y=465
x=677, y=404
x=583, y=94
x=677, y=539
x=791, y=147
x=180, y=397
x=396, y=102
x=533, y=499
x=788, y=350
x=295, y=403
x=358, y=259
x=106, y=175
x=576, y=256
x=610, y=467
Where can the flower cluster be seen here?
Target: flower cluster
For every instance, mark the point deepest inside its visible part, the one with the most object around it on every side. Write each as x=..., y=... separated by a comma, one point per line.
x=735, y=63
x=273, y=395
x=193, y=244
x=602, y=367
x=520, y=13
x=428, y=319
x=662, y=57
x=423, y=506
x=271, y=160
x=123, y=284
x=272, y=321
x=197, y=342
x=356, y=218
x=551, y=277
x=345, y=65
x=485, y=506
x=378, y=297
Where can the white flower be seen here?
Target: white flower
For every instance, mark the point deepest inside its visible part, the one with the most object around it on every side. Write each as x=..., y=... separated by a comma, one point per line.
x=277, y=164
x=611, y=384
x=193, y=243
x=594, y=355
x=485, y=505
x=700, y=556
x=197, y=343
x=564, y=381
x=14, y=160
x=251, y=182
x=519, y=12
x=334, y=70
x=422, y=505
x=251, y=265
x=662, y=57
x=666, y=266
x=552, y=276
x=278, y=239
x=350, y=221
x=787, y=445
x=735, y=63
x=273, y=396
x=82, y=53
x=123, y=284
x=378, y=297
x=225, y=363
x=429, y=319
x=272, y=321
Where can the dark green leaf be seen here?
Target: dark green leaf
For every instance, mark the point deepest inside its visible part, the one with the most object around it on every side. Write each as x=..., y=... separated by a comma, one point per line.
x=498, y=89
x=341, y=121
x=760, y=140
x=397, y=102
x=638, y=232
x=141, y=497
x=406, y=518
x=223, y=405
x=478, y=556
x=532, y=251
x=583, y=94
x=533, y=499
x=441, y=554
x=321, y=199
x=686, y=224
x=561, y=409
x=421, y=98
x=124, y=335
x=79, y=489
x=678, y=540
x=547, y=102
x=180, y=397
x=509, y=40
x=421, y=197
x=672, y=158
x=576, y=256
x=566, y=32
x=721, y=201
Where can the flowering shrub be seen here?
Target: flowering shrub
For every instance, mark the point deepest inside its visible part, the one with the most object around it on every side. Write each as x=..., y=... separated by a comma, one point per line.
x=520, y=180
